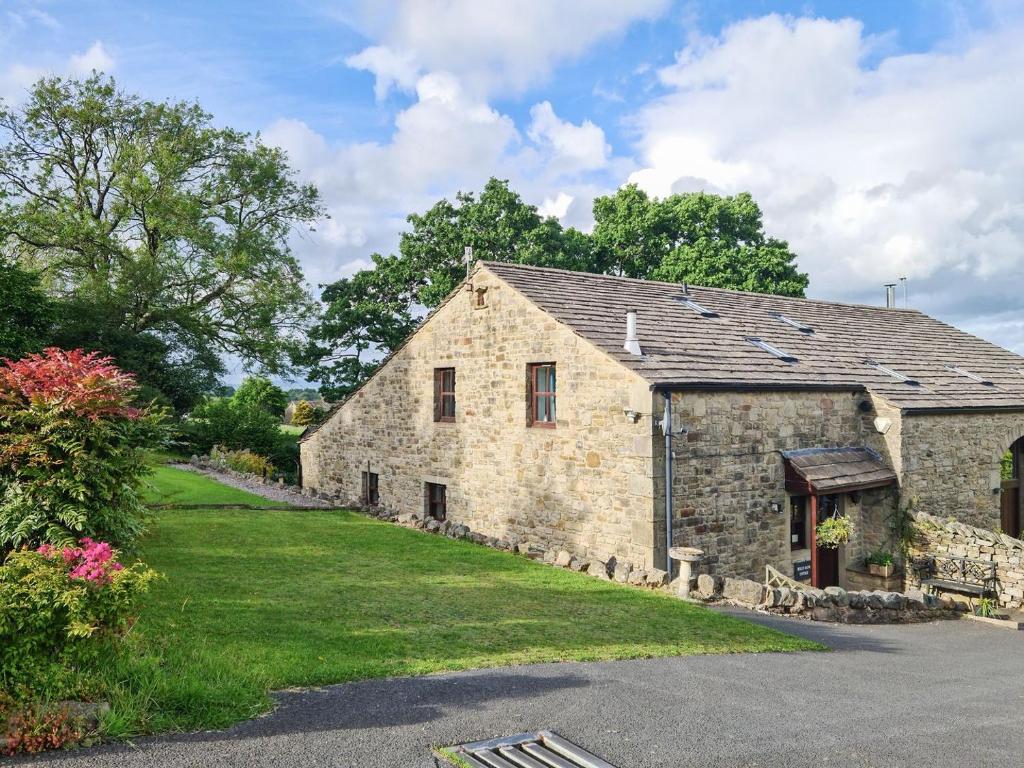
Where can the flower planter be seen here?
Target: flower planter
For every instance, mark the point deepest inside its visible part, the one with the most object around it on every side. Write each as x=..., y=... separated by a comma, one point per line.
x=885, y=571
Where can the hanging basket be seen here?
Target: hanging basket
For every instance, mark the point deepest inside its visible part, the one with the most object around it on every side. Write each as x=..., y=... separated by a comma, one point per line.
x=834, y=532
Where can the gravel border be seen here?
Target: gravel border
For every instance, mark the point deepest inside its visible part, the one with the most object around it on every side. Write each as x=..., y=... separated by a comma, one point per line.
x=285, y=495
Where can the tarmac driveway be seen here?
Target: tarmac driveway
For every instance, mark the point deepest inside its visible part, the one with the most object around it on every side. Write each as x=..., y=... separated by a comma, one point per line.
x=944, y=694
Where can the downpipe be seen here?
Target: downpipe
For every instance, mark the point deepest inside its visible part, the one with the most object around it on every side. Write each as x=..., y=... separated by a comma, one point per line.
x=666, y=426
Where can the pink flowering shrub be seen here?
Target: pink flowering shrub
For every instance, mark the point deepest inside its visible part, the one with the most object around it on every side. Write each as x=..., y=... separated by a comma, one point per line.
x=93, y=561
x=59, y=608
x=71, y=450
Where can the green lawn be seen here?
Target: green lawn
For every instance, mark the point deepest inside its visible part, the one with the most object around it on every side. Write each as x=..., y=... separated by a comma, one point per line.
x=262, y=600
x=292, y=429
x=180, y=487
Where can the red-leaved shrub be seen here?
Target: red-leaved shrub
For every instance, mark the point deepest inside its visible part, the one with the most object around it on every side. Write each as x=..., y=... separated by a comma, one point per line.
x=71, y=450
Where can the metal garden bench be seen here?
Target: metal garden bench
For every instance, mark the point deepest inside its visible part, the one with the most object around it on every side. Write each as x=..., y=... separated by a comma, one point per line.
x=957, y=574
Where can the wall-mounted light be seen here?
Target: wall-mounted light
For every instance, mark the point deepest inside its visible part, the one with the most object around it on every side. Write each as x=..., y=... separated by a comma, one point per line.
x=633, y=416
x=882, y=424
x=775, y=506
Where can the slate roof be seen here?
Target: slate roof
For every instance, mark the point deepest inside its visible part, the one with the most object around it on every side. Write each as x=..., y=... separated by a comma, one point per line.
x=683, y=349
x=834, y=469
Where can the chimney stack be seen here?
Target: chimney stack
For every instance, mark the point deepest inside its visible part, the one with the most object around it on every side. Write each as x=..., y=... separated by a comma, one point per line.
x=890, y=295
x=632, y=344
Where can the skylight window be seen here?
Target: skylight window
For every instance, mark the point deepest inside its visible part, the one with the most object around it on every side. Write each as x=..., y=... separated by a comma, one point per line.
x=969, y=375
x=771, y=350
x=890, y=372
x=703, y=312
x=792, y=323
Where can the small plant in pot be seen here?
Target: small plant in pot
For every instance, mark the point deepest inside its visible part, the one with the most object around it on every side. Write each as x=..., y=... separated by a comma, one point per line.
x=834, y=532
x=880, y=563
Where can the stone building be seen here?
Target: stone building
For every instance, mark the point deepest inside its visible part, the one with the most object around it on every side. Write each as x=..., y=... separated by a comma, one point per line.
x=525, y=406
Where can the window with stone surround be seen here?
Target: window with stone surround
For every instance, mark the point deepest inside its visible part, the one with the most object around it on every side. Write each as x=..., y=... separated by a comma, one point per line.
x=437, y=500
x=444, y=394
x=541, y=391
x=371, y=489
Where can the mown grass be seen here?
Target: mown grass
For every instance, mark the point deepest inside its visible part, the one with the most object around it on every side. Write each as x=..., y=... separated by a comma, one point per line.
x=177, y=487
x=255, y=601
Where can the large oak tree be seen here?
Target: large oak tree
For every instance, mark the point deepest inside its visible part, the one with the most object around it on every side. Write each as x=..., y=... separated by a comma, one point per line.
x=146, y=219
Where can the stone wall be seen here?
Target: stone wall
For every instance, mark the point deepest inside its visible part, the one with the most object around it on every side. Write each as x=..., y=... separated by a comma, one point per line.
x=584, y=486
x=952, y=538
x=951, y=463
x=729, y=472
x=832, y=604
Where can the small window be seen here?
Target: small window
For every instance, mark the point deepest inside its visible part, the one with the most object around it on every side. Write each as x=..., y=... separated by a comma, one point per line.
x=691, y=304
x=792, y=323
x=437, y=501
x=542, y=386
x=480, y=297
x=371, y=489
x=798, y=522
x=969, y=375
x=890, y=372
x=444, y=394
x=773, y=351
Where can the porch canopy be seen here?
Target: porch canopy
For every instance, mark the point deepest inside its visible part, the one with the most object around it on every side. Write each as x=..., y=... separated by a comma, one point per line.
x=819, y=471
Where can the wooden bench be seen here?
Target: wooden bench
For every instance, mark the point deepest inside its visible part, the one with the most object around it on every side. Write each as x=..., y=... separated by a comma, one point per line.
x=957, y=574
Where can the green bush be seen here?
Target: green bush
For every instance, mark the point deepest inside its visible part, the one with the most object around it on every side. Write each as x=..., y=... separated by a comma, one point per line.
x=236, y=426
x=59, y=609
x=242, y=461
x=259, y=392
x=303, y=414
x=72, y=450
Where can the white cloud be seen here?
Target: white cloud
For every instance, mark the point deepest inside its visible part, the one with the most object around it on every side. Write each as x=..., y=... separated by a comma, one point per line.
x=390, y=68
x=570, y=147
x=96, y=58
x=493, y=45
x=913, y=166
x=16, y=79
x=445, y=141
x=557, y=206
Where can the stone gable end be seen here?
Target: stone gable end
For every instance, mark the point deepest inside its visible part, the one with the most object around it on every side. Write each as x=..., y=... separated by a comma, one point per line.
x=585, y=486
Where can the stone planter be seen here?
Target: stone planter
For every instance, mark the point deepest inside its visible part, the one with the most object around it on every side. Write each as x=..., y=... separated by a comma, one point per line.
x=885, y=571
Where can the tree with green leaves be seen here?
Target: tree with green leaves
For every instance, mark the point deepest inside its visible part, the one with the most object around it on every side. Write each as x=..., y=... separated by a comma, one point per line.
x=304, y=414
x=695, y=238
x=260, y=392
x=147, y=216
x=26, y=313
x=367, y=315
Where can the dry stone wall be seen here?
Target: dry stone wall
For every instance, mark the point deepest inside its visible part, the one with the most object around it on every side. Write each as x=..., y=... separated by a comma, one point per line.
x=951, y=538
x=832, y=604
x=584, y=486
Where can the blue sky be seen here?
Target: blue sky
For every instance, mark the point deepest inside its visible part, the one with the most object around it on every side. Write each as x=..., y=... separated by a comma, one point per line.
x=882, y=139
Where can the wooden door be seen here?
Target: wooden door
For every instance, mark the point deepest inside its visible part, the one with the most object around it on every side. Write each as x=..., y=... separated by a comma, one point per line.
x=826, y=562
x=1010, y=501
